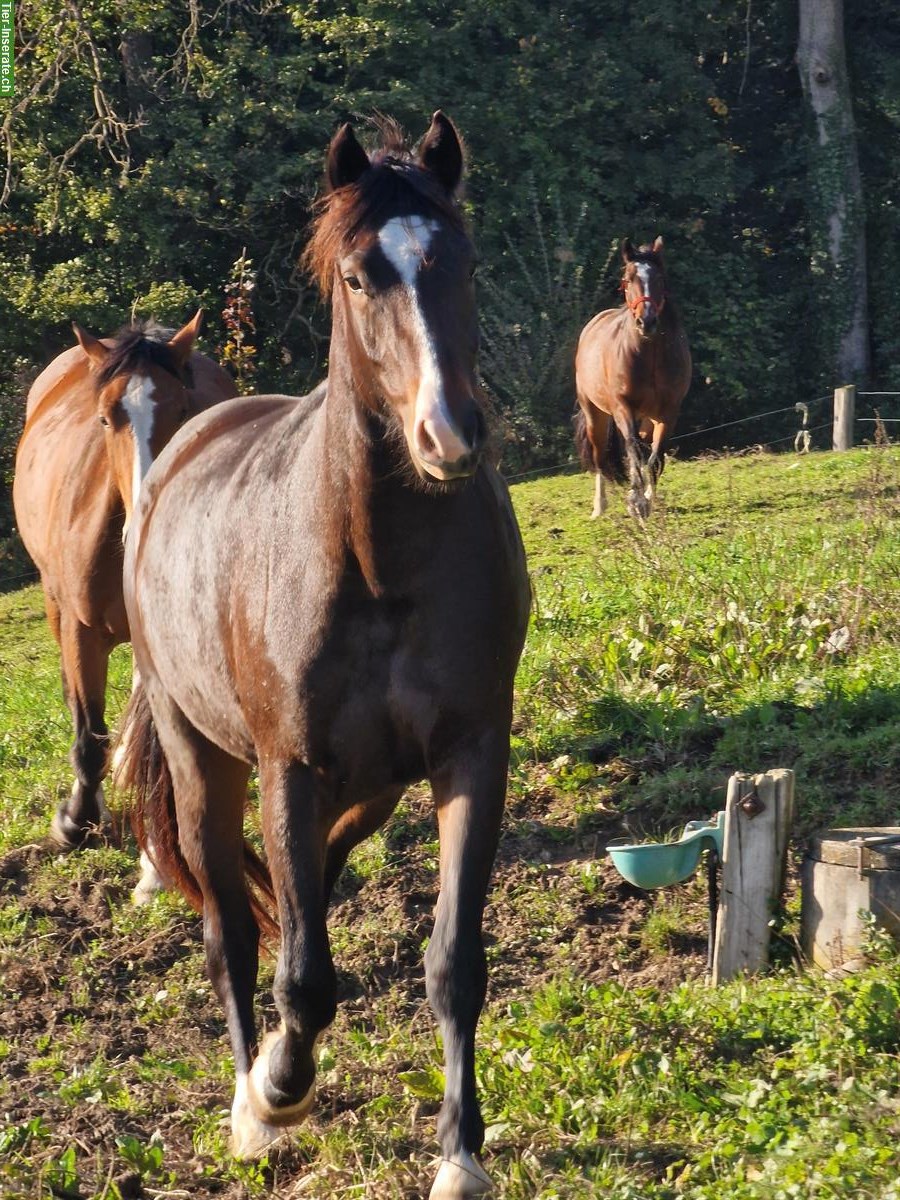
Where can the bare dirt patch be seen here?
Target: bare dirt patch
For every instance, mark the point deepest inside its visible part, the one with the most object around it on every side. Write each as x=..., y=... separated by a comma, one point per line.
x=81, y=987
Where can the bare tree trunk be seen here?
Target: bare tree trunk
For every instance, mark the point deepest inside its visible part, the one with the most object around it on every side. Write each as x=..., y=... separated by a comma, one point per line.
x=837, y=185
x=136, y=49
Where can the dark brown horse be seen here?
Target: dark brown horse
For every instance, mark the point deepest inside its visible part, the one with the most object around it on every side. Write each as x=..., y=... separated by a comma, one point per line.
x=632, y=372
x=95, y=419
x=350, y=621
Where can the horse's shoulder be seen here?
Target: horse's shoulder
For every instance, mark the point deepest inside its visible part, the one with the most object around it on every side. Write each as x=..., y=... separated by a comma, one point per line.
x=601, y=321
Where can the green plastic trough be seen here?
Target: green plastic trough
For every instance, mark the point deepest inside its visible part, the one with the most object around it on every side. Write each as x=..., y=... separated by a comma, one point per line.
x=658, y=864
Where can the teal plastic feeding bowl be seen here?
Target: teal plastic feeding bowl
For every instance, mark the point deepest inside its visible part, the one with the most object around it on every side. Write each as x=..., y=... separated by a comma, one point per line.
x=658, y=864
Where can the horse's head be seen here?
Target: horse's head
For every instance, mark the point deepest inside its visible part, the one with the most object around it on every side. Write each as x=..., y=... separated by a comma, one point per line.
x=644, y=283
x=141, y=385
x=391, y=248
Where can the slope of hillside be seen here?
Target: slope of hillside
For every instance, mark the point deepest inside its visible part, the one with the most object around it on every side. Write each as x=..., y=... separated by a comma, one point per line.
x=752, y=624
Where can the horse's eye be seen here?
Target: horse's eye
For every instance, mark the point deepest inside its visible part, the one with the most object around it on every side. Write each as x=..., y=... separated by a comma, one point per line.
x=353, y=283
x=104, y=420
x=473, y=270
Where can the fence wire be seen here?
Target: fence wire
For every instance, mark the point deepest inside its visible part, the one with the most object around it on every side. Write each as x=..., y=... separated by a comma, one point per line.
x=573, y=462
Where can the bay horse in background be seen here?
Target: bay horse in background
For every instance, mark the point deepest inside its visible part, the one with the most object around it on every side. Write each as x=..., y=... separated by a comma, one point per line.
x=350, y=622
x=95, y=419
x=632, y=372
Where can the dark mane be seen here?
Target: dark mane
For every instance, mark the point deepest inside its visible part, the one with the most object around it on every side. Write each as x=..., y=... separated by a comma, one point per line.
x=646, y=254
x=142, y=344
x=394, y=186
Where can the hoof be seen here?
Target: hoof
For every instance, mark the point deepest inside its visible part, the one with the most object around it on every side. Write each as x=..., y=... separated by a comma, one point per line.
x=259, y=1091
x=250, y=1137
x=460, y=1177
x=638, y=505
x=69, y=835
x=150, y=883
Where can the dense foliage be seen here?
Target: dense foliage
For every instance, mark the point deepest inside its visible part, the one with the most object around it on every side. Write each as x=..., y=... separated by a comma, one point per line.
x=150, y=144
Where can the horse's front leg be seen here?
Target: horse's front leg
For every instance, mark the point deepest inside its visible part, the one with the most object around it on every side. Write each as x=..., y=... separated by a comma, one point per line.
x=469, y=793
x=85, y=659
x=655, y=461
x=282, y=1080
x=637, y=501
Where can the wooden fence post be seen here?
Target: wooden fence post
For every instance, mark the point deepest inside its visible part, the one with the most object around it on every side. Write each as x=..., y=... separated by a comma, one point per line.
x=844, y=413
x=758, y=814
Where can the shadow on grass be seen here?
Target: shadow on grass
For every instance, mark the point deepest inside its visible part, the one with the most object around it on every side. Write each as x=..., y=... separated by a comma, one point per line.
x=16, y=568
x=661, y=765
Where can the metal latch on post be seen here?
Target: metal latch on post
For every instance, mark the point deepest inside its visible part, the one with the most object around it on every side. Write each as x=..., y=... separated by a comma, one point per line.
x=863, y=844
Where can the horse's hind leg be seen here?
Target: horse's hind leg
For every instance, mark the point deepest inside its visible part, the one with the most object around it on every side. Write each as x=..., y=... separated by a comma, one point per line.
x=600, y=502
x=282, y=1081
x=598, y=432
x=592, y=449
x=85, y=660
x=469, y=793
x=354, y=826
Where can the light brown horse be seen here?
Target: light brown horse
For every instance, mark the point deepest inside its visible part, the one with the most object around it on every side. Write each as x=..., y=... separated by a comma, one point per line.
x=95, y=419
x=350, y=621
x=632, y=372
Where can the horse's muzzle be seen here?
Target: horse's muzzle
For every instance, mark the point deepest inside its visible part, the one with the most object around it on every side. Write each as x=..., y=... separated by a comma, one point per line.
x=447, y=452
x=448, y=472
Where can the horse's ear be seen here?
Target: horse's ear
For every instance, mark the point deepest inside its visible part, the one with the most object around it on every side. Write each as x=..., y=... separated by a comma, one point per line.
x=441, y=152
x=92, y=346
x=182, y=343
x=657, y=245
x=627, y=250
x=346, y=159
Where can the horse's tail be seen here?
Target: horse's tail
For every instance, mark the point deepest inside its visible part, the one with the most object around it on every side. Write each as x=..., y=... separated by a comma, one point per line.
x=582, y=442
x=609, y=459
x=144, y=772
x=612, y=457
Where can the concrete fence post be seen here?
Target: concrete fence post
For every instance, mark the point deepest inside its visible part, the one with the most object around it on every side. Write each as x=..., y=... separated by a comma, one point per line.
x=844, y=413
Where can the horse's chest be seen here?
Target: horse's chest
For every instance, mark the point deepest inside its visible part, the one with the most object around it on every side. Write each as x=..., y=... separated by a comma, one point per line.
x=368, y=702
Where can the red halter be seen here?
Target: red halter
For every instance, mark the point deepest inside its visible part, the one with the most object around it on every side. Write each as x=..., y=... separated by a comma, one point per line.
x=638, y=300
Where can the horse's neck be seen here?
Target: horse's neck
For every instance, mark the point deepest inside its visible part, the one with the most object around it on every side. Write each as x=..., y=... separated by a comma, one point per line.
x=669, y=327
x=374, y=506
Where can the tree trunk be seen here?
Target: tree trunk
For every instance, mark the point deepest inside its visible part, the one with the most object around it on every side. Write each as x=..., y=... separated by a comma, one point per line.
x=136, y=49
x=836, y=186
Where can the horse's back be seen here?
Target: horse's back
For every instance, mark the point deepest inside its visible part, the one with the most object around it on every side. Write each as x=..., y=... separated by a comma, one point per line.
x=68, y=372
x=230, y=443
x=210, y=383
x=61, y=439
x=592, y=368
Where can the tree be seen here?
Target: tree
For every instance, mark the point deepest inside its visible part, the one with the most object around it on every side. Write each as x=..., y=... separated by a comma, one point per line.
x=837, y=186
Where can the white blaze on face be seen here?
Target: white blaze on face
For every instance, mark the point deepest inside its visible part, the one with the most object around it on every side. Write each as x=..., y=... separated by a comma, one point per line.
x=138, y=405
x=643, y=271
x=405, y=241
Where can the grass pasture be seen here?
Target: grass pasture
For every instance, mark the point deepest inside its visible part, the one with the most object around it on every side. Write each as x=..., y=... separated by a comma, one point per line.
x=754, y=624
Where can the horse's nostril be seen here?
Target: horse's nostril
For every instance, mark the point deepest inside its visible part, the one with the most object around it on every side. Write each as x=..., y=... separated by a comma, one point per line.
x=425, y=440
x=475, y=428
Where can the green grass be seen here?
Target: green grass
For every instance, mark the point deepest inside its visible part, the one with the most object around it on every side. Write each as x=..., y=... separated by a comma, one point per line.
x=752, y=624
